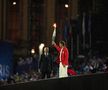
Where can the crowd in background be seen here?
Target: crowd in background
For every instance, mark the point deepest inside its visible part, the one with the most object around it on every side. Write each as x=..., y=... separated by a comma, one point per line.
x=27, y=69
x=91, y=65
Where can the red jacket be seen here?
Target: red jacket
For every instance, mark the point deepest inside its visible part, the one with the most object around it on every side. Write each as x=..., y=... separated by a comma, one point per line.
x=64, y=55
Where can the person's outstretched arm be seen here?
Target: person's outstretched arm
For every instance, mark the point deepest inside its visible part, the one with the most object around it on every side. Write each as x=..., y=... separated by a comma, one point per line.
x=56, y=46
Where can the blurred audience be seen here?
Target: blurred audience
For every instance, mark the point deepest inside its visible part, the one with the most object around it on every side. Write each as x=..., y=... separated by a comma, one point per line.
x=27, y=69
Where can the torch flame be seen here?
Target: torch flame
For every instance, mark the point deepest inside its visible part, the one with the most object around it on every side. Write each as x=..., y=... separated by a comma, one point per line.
x=54, y=25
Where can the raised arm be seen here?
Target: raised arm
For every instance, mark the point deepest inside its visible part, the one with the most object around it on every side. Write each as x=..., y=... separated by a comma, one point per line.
x=56, y=46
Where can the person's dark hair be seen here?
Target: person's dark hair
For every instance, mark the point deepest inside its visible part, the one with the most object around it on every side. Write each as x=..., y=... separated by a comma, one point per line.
x=63, y=43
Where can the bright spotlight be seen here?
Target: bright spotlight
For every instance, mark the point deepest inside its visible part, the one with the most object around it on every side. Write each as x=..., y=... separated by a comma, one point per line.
x=32, y=51
x=14, y=3
x=66, y=5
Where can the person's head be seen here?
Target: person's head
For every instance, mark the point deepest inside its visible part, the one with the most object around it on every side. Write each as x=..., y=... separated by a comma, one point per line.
x=61, y=43
x=46, y=49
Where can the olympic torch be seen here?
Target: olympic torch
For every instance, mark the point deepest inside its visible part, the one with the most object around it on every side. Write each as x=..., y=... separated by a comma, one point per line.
x=54, y=33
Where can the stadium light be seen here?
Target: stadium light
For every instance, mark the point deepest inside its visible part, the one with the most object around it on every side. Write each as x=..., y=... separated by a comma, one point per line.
x=32, y=51
x=66, y=5
x=14, y=3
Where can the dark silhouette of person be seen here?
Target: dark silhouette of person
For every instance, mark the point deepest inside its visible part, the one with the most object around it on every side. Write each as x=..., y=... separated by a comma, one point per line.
x=45, y=63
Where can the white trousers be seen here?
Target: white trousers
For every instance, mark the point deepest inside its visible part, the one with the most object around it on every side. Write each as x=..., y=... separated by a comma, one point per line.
x=62, y=71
